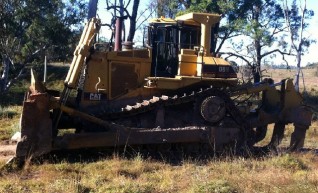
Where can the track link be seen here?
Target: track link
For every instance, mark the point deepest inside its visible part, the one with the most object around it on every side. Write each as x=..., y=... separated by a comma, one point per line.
x=168, y=101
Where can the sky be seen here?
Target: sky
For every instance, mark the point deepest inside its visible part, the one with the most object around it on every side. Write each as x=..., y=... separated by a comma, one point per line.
x=312, y=32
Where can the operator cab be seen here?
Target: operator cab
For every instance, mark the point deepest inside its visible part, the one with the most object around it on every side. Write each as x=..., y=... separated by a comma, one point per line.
x=182, y=47
x=167, y=37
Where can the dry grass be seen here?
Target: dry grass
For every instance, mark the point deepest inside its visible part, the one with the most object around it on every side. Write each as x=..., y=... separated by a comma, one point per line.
x=310, y=77
x=278, y=173
x=9, y=121
x=285, y=173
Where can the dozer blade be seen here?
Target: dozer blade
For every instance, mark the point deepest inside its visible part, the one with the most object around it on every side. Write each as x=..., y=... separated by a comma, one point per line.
x=36, y=124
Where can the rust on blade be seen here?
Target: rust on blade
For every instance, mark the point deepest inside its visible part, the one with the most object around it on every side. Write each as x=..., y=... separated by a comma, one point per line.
x=36, y=124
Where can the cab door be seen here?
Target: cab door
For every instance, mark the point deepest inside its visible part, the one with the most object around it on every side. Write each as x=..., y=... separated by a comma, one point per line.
x=165, y=51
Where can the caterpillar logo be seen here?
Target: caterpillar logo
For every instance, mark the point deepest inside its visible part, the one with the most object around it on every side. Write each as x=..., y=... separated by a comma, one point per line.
x=94, y=96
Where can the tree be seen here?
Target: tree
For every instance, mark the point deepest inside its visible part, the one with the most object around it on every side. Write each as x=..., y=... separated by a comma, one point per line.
x=295, y=16
x=170, y=8
x=261, y=29
x=132, y=28
x=7, y=41
x=31, y=29
x=121, y=8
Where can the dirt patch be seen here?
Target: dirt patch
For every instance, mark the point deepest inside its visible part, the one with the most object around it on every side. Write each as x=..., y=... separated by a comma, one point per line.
x=7, y=151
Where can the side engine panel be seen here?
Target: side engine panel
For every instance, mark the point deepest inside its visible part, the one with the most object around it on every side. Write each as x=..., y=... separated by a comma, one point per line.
x=110, y=75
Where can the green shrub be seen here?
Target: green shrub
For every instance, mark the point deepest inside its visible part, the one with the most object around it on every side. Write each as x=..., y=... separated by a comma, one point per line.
x=217, y=186
x=290, y=162
x=7, y=112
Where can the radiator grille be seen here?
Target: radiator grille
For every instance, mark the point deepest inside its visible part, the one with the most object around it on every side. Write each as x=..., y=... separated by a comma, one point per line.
x=123, y=78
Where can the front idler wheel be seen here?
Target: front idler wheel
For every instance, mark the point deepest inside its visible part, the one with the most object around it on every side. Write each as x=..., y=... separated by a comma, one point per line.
x=213, y=109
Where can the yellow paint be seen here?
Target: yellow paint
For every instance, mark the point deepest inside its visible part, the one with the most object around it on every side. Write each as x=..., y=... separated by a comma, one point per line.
x=187, y=65
x=206, y=21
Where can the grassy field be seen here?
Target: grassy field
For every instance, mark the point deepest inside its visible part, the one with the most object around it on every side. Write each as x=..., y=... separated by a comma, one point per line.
x=285, y=172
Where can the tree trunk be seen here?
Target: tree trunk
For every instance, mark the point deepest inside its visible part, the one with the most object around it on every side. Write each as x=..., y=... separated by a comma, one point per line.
x=92, y=9
x=121, y=13
x=5, y=74
x=298, y=70
x=257, y=47
x=257, y=73
x=132, y=28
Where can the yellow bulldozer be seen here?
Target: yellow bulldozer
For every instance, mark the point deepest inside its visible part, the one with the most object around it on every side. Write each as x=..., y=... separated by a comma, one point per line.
x=171, y=94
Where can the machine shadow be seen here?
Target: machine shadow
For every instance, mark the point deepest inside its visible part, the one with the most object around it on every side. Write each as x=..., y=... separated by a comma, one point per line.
x=174, y=158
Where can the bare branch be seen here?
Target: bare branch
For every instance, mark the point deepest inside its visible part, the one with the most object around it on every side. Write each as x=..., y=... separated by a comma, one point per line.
x=277, y=50
x=231, y=54
x=117, y=8
x=127, y=4
x=143, y=21
x=108, y=25
x=143, y=12
x=9, y=84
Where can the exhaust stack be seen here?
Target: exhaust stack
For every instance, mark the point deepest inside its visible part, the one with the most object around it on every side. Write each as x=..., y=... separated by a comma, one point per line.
x=118, y=40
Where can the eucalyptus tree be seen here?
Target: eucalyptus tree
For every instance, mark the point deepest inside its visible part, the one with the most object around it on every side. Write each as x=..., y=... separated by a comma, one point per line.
x=170, y=8
x=32, y=28
x=261, y=28
x=296, y=14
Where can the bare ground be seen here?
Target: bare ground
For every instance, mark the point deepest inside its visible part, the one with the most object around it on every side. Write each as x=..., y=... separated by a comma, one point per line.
x=7, y=150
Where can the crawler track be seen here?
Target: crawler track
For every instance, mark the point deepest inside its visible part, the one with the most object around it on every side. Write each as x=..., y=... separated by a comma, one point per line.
x=129, y=112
